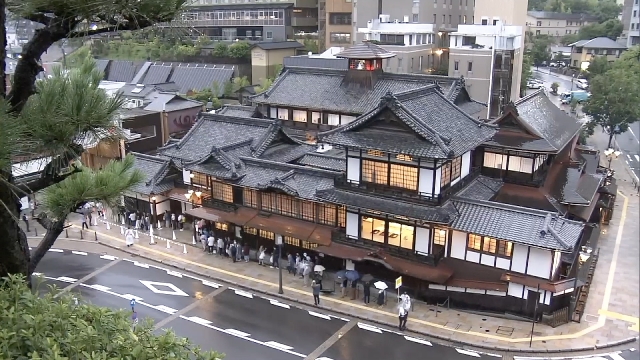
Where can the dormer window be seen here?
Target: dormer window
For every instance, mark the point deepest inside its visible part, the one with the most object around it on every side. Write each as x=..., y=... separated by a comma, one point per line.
x=372, y=64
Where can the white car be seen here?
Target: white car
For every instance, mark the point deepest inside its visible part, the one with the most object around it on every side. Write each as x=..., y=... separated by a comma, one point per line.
x=582, y=84
x=534, y=84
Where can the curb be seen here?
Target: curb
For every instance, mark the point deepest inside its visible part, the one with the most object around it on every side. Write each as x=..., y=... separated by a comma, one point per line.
x=464, y=345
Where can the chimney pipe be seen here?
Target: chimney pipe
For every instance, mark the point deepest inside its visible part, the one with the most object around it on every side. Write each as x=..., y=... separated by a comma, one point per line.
x=379, y=8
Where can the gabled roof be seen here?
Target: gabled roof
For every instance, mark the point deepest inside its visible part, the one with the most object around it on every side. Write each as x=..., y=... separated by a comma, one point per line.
x=365, y=50
x=171, y=102
x=320, y=89
x=154, y=170
x=323, y=161
x=238, y=111
x=546, y=128
x=122, y=70
x=199, y=77
x=506, y=222
x=598, y=43
x=438, y=128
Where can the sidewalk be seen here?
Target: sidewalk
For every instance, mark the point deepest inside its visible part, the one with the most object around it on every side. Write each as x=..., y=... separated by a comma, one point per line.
x=449, y=325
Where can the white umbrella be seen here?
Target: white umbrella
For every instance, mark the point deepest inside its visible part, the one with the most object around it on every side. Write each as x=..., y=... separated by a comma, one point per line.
x=318, y=268
x=380, y=285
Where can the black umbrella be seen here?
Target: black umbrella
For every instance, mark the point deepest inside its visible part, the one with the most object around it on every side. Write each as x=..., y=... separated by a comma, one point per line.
x=367, y=278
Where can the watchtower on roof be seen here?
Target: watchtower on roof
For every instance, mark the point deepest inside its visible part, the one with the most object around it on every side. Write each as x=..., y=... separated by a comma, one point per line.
x=365, y=64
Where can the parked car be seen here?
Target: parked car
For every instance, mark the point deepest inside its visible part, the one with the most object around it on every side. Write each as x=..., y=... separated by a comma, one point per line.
x=534, y=84
x=579, y=95
x=582, y=84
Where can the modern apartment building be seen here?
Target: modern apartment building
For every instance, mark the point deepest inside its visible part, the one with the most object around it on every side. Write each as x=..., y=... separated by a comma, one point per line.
x=414, y=44
x=556, y=24
x=631, y=23
x=252, y=20
x=350, y=15
x=489, y=58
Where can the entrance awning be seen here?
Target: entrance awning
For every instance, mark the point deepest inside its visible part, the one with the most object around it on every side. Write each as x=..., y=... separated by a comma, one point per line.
x=298, y=229
x=532, y=282
x=238, y=217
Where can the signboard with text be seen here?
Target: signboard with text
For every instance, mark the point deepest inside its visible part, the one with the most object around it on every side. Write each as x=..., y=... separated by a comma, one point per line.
x=182, y=120
x=398, y=282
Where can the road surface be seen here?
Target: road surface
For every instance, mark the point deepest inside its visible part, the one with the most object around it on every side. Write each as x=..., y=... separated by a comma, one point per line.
x=241, y=324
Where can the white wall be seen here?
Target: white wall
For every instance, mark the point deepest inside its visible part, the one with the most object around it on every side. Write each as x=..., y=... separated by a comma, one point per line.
x=353, y=224
x=438, y=178
x=503, y=263
x=186, y=178
x=458, y=244
x=466, y=164
x=515, y=290
x=353, y=170
x=162, y=204
x=539, y=263
x=519, y=258
x=473, y=256
x=423, y=237
x=486, y=259
x=425, y=185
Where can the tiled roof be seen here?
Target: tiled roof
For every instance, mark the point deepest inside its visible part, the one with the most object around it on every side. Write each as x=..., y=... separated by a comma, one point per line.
x=546, y=120
x=157, y=74
x=324, y=162
x=440, y=129
x=198, y=78
x=135, y=91
x=443, y=214
x=481, y=188
x=101, y=65
x=598, y=43
x=517, y=224
x=238, y=111
x=365, y=50
x=473, y=108
x=171, y=102
x=322, y=89
x=121, y=71
x=154, y=170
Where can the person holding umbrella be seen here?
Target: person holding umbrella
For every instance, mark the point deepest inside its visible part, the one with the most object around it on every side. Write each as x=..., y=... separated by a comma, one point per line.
x=381, y=286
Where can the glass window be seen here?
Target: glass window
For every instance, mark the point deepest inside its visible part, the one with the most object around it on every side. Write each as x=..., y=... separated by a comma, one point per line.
x=280, y=204
x=520, y=164
x=316, y=118
x=199, y=179
x=404, y=177
x=283, y=114
x=376, y=153
x=300, y=115
x=222, y=191
x=250, y=230
x=342, y=217
x=222, y=226
x=474, y=242
x=505, y=248
x=327, y=214
x=308, y=245
x=374, y=171
x=266, y=234
x=340, y=38
x=308, y=212
x=439, y=237
x=489, y=245
x=373, y=229
x=291, y=241
x=456, y=168
x=340, y=18
x=250, y=197
x=495, y=161
x=273, y=113
x=445, y=175
x=401, y=235
x=333, y=119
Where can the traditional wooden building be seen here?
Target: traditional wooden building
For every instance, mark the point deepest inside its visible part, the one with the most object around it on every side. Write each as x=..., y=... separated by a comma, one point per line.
x=403, y=181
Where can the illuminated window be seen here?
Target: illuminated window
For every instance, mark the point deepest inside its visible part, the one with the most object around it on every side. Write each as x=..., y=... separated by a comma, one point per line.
x=299, y=115
x=445, y=175
x=222, y=191
x=280, y=204
x=376, y=153
x=404, y=177
x=327, y=214
x=291, y=241
x=505, y=248
x=404, y=157
x=308, y=210
x=456, y=167
x=401, y=235
x=439, y=237
x=342, y=216
x=222, y=226
x=308, y=245
x=374, y=172
x=474, y=242
x=250, y=198
x=495, y=161
x=489, y=245
x=250, y=230
x=373, y=229
x=199, y=179
x=266, y=234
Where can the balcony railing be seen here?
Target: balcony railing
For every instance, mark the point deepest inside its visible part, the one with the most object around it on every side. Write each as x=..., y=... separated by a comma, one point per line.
x=372, y=189
x=432, y=259
x=219, y=205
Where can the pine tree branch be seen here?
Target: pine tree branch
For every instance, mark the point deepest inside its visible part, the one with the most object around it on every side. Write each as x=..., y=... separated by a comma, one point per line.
x=54, y=229
x=44, y=181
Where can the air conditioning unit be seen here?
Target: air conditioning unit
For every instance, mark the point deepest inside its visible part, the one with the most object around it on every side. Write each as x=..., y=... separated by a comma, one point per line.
x=384, y=18
x=406, y=18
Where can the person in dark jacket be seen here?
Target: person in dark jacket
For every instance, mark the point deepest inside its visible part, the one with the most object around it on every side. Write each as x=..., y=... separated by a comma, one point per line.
x=233, y=249
x=366, y=291
x=315, y=288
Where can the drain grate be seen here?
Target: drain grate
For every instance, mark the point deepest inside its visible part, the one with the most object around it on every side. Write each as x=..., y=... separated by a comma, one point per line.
x=505, y=330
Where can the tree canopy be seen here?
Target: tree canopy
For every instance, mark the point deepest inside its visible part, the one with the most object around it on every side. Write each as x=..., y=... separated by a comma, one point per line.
x=603, y=10
x=46, y=327
x=615, y=96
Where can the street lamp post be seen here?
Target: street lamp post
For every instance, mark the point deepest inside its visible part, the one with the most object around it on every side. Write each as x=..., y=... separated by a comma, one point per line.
x=279, y=244
x=192, y=196
x=154, y=210
x=611, y=154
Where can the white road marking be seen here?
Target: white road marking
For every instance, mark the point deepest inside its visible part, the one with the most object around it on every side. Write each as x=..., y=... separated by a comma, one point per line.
x=37, y=274
x=237, y=332
x=174, y=273
x=419, y=341
x=79, y=253
x=637, y=157
x=616, y=356
x=276, y=303
x=277, y=345
x=100, y=287
x=66, y=279
x=198, y=320
x=629, y=156
x=247, y=338
x=56, y=250
x=467, y=352
x=322, y=316
x=166, y=309
x=324, y=358
x=339, y=318
x=130, y=297
x=369, y=328
x=142, y=265
x=244, y=293
x=108, y=257
x=210, y=284
x=174, y=289
x=494, y=355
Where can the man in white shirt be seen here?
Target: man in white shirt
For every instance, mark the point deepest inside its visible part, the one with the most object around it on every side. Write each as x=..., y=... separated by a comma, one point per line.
x=402, y=317
x=210, y=242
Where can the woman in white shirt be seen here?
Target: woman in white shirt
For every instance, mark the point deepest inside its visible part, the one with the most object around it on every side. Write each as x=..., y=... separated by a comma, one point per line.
x=128, y=236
